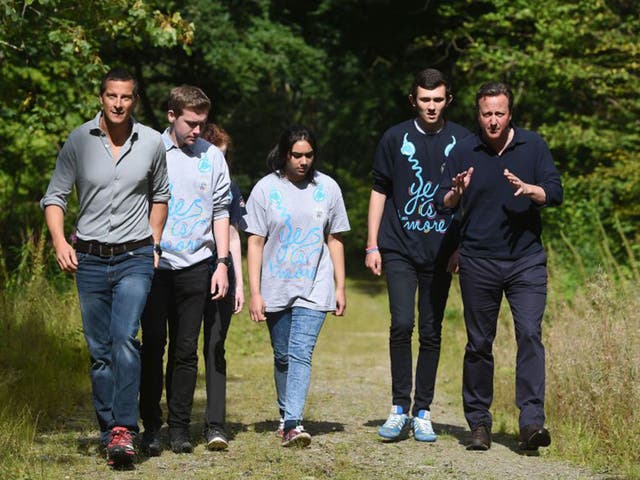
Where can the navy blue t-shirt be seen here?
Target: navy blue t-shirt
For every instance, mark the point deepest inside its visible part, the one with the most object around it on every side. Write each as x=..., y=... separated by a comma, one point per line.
x=407, y=168
x=495, y=223
x=237, y=208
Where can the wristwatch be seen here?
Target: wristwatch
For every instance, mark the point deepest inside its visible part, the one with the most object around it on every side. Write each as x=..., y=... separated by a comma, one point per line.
x=225, y=260
x=158, y=249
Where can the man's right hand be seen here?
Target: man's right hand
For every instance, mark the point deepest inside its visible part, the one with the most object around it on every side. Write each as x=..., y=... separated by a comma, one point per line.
x=373, y=261
x=459, y=184
x=66, y=256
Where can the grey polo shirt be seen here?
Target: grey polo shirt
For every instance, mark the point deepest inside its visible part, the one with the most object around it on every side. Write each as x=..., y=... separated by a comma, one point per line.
x=114, y=195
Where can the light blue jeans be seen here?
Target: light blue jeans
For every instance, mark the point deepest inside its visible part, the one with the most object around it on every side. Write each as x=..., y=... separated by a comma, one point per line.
x=294, y=333
x=112, y=292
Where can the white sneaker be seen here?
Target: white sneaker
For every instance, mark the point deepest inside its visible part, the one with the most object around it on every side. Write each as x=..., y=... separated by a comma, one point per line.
x=422, y=428
x=395, y=424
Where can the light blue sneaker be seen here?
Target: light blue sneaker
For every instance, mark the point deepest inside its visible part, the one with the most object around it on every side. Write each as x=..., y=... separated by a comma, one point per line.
x=395, y=424
x=422, y=428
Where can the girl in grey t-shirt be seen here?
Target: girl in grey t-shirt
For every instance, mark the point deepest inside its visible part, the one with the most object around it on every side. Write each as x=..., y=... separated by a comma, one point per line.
x=296, y=266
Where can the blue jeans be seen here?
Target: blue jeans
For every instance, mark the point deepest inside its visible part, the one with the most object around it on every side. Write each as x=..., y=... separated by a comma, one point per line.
x=294, y=333
x=112, y=292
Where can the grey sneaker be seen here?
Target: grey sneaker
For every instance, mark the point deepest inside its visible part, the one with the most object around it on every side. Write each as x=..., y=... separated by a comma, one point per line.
x=217, y=438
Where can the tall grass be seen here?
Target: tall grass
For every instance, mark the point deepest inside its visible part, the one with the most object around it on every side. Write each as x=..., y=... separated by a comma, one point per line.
x=592, y=338
x=594, y=381
x=43, y=362
x=591, y=333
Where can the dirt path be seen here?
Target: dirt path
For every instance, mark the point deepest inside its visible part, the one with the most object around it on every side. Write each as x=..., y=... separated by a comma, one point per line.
x=349, y=399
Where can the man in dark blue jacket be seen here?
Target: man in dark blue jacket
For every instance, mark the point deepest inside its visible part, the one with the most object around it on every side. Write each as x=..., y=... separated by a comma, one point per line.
x=500, y=179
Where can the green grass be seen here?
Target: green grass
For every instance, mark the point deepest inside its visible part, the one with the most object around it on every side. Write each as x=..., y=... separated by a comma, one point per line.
x=47, y=427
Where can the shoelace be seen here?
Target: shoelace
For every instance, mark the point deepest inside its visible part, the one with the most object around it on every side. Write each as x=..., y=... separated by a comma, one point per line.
x=121, y=437
x=395, y=421
x=422, y=425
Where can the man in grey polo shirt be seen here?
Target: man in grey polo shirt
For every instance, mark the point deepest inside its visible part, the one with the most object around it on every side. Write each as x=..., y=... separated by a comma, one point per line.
x=118, y=167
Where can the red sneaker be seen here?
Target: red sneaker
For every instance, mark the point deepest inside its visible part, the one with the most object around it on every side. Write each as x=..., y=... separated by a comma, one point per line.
x=296, y=437
x=120, y=450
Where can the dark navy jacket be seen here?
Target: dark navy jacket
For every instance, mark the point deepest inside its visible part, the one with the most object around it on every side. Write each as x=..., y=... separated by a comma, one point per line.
x=495, y=223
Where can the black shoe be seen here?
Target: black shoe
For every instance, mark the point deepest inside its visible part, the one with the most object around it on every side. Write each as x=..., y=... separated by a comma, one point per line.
x=150, y=444
x=534, y=436
x=480, y=438
x=216, y=438
x=180, y=441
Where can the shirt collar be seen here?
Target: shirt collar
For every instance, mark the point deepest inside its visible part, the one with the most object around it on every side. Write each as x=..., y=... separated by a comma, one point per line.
x=416, y=123
x=518, y=139
x=96, y=130
x=169, y=145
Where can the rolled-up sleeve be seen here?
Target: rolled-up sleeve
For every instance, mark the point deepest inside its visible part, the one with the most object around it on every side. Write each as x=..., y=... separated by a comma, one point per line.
x=160, y=192
x=63, y=178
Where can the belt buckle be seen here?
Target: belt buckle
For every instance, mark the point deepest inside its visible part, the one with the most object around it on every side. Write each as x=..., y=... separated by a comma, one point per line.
x=108, y=248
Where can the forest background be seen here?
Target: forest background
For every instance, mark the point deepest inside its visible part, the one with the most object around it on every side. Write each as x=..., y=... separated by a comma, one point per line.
x=344, y=68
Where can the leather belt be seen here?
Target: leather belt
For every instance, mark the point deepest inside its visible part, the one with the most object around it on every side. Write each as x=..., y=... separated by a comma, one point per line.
x=109, y=249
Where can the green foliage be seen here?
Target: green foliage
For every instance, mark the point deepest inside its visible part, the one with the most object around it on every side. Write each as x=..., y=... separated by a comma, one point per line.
x=50, y=66
x=573, y=67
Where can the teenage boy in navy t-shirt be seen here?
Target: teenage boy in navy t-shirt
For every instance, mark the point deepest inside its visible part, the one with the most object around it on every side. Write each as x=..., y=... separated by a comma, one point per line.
x=414, y=243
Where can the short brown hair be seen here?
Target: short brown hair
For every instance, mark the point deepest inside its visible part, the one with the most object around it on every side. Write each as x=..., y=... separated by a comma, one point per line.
x=493, y=89
x=188, y=96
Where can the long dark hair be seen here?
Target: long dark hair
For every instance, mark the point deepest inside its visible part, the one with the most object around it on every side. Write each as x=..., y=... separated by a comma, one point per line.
x=277, y=158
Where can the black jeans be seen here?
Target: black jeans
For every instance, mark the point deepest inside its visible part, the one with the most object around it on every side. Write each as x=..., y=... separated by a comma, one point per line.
x=178, y=299
x=524, y=284
x=432, y=283
x=217, y=319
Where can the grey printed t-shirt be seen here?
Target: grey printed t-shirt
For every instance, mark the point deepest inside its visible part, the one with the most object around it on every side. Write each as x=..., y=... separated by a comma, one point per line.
x=295, y=219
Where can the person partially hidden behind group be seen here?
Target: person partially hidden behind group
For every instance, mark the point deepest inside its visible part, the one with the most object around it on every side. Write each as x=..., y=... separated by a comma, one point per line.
x=218, y=313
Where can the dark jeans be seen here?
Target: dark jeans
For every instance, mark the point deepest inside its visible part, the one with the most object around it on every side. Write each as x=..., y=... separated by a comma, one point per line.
x=524, y=284
x=432, y=283
x=178, y=299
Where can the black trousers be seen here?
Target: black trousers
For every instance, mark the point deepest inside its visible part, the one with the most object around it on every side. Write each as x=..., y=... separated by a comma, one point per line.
x=177, y=299
x=216, y=325
x=432, y=283
x=524, y=283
